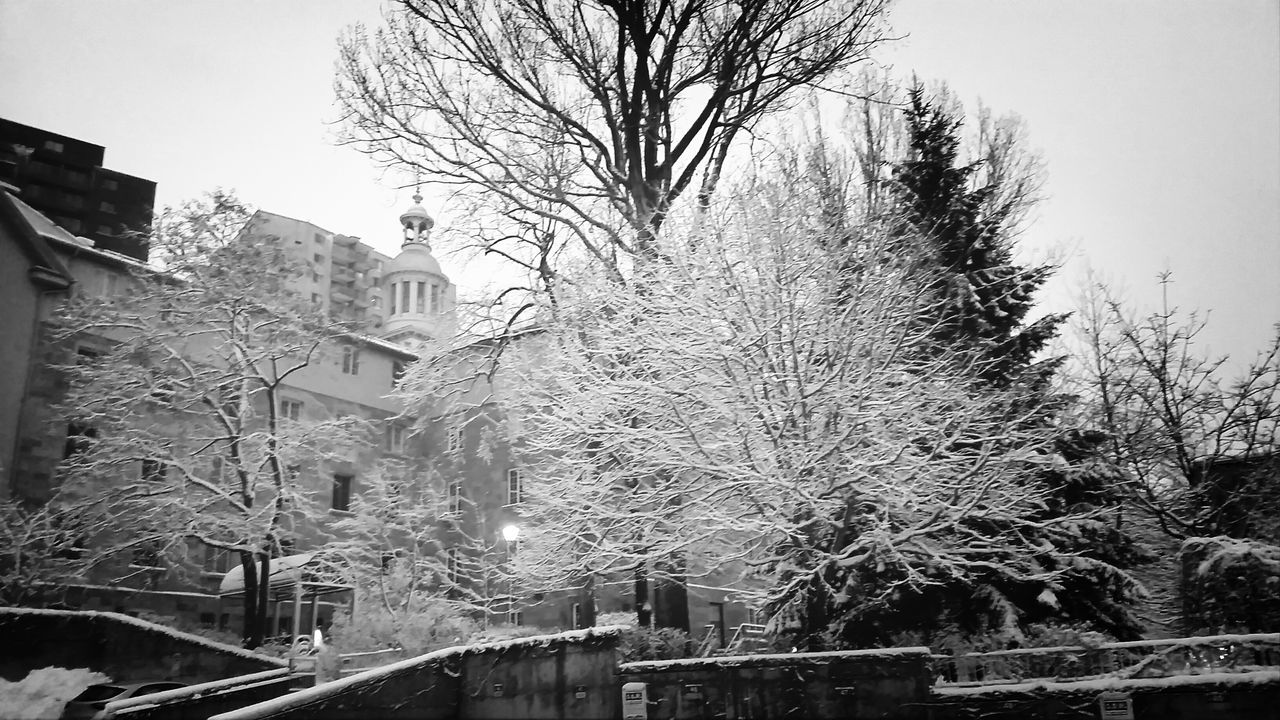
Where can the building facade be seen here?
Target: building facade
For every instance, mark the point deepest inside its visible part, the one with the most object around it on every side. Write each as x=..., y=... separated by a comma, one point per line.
x=64, y=179
x=402, y=301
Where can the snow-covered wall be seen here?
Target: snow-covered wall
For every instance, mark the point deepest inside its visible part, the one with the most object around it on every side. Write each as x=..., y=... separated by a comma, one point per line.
x=567, y=675
x=124, y=648
x=890, y=684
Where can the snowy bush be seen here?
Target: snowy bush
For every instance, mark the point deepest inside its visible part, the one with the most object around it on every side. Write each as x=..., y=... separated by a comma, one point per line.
x=1230, y=585
x=43, y=693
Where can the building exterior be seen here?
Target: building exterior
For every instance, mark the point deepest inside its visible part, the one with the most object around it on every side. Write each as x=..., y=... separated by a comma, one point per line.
x=402, y=300
x=64, y=179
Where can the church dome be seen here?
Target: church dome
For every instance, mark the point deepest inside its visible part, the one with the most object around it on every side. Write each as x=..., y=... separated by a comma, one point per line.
x=414, y=258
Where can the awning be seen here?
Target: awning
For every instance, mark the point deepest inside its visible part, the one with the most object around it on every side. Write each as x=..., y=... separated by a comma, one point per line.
x=286, y=574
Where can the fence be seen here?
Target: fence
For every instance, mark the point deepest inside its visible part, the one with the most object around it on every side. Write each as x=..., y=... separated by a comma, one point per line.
x=1141, y=659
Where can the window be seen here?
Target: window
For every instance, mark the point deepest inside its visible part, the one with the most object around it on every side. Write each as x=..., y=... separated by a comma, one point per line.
x=392, y=296
x=452, y=565
x=86, y=355
x=71, y=224
x=575, y=616
x=319, y=239
x=404, y=297
x=315, y=277
x=319, y=258
x=146, y=555
x=291, y=409
x=342, y=492
x=80, y=438
x=397, y=372
x=104, y=229
x=153, y=470
x=455, y=498
x=107, y=207
x=395, y=438
x=420, y=306
x=216, y=560
x=110, y=284
x=53, y=145
x=350, y=360
x=515, y=487
x=109, y=184
x=454, y=440
x=435, y=298
x=315, y=298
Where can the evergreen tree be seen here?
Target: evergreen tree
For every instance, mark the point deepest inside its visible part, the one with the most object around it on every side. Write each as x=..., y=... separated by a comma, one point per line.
x=954, y=225
x=983, y=296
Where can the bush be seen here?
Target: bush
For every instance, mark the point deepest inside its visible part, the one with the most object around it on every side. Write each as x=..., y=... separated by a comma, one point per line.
x=1230, y=585
x=434, y=625
x=638, y=644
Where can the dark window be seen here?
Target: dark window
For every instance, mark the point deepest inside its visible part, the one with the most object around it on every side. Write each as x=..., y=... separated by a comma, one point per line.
x=455, y=439
x=79, y=438
x=515, y=487
x=455, y=498
x=319, y=240
x=107, y=207
x=420, y=305
x=109, y=184
x=342, y=492
x=350, y=360
x=153, y=470
x=291, y=409
x=453, y=565
x=146, y=555
x=397, y=372
x=53, y=145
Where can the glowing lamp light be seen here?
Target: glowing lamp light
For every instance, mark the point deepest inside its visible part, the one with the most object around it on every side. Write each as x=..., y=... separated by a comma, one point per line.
x=510, y=533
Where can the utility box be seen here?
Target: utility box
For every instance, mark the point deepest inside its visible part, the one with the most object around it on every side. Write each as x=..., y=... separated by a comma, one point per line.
x=635, y=701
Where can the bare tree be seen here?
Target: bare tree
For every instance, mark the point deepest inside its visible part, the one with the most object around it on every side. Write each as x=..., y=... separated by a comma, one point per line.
x=595, y=117
x=179, y=434
x=1175, y=419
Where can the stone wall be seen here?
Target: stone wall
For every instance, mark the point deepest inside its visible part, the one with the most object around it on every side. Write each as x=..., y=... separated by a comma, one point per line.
x=125, y=649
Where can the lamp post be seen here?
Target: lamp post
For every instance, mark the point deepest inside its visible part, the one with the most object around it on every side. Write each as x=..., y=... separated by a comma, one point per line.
x=509, y=534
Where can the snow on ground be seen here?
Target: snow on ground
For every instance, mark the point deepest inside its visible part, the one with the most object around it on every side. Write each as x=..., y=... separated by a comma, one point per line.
x=43, y=693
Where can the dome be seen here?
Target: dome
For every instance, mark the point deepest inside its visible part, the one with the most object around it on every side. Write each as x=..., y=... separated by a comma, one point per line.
x=416, y=216
x=413, y=258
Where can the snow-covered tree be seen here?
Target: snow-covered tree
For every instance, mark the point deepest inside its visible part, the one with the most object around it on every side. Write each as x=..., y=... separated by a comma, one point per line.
x=735, y=414
x=179, y=437
x=414, y=572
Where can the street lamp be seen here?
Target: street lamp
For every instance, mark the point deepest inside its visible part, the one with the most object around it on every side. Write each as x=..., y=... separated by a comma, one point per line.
x=509, y=534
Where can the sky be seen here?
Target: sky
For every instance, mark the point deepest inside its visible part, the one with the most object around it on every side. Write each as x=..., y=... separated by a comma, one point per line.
x=1158, y=120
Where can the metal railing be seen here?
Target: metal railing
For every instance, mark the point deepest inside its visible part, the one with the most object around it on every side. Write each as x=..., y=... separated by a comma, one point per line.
x=1140, y=659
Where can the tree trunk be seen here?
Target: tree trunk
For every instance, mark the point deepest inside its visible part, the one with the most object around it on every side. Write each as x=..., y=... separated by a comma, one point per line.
x=252, y=629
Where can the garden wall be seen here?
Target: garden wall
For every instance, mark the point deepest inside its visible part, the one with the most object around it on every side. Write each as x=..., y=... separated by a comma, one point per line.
x=125, y=649
x=891, y=684
x=569, y=675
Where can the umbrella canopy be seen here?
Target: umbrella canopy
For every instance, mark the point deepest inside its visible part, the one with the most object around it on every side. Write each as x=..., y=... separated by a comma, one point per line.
x=286, y=574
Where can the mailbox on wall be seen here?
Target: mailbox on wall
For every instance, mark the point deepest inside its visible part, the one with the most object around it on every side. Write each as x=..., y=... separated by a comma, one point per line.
x=635, y=701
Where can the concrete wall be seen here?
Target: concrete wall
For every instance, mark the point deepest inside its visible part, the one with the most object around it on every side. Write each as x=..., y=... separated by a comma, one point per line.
x=1220, y=696
x=125, y=649
x=891, y=684
x=570, y=675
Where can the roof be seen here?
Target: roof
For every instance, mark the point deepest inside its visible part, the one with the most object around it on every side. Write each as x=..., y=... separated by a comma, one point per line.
x=287, y=573
x=31, y=230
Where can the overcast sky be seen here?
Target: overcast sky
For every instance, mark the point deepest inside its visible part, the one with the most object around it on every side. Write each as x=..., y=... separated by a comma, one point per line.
x=1159, y=122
